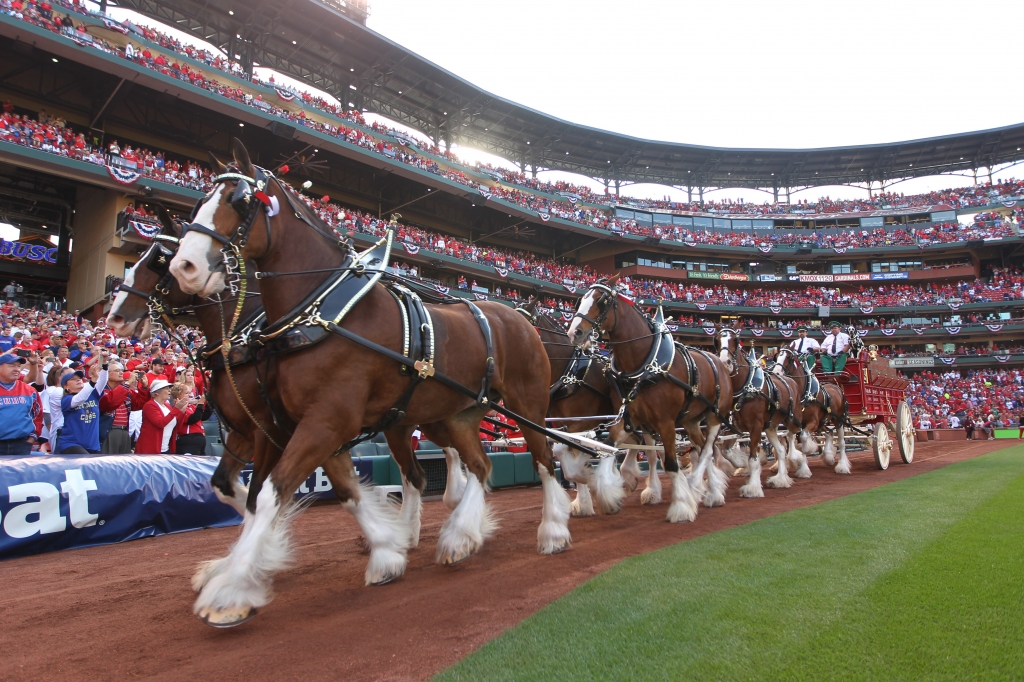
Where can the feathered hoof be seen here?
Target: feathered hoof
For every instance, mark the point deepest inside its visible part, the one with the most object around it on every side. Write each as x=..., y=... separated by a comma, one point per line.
x=385, y=566
x=803, y=472
x=650, y=496
x=750, y=490
x=552, y=539
x=205, y=571
x=713, y=499
x=227, y=618
x=680, y=512
x=780, y=482
x=843, y=468
x=578, y=510
x=454, y=558
x=629, y=481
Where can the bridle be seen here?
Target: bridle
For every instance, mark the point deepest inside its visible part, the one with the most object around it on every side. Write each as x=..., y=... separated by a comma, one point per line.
x=159, y=262
x=597, y=323
x=724, y=336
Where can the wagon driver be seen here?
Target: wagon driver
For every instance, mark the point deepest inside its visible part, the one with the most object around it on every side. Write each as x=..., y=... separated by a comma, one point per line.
x=834, y=349
x=805, y=347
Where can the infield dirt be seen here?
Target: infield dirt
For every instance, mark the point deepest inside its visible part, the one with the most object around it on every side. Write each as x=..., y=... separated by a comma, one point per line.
x=126, y=610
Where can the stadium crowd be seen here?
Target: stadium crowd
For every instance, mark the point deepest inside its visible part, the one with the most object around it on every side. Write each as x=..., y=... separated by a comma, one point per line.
x=984, y=399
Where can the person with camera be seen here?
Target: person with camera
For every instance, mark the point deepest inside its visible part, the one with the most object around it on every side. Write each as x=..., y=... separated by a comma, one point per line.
x=159, y=420
x=190, y=437
x=120, y=399
x=80, y=406
x=21, y=409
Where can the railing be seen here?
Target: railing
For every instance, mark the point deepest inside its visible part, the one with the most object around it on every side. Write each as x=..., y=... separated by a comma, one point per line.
x=112, y=283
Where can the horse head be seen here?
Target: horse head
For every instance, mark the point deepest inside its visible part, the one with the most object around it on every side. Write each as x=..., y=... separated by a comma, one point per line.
x=148, y=285
x=785, y=359
x=727, y=343
x=219, y=230
x=597, y=312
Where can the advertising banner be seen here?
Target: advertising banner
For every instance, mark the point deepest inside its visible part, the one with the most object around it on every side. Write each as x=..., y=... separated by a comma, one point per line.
x=913, y=362
x=816, y=278
x=890, y=275
x=855, y=277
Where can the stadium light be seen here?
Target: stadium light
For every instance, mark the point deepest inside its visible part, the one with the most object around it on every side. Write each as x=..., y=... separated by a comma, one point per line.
x=294, y=43
x=54, y=59
x=231, y=12
x=241, y=125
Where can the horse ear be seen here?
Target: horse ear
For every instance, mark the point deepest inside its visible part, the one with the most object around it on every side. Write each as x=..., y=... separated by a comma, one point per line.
x=613, y=280
x=170, y=227
x=218, y=167
x=241, y=157
x=531, y=307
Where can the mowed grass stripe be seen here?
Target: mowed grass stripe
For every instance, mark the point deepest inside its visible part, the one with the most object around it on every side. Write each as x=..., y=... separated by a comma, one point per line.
x=915, y=579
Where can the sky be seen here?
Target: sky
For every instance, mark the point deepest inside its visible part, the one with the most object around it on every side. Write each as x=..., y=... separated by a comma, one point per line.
x=781, y=74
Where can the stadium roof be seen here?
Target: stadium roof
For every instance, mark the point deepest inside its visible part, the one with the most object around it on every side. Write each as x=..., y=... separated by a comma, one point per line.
x=326, y=44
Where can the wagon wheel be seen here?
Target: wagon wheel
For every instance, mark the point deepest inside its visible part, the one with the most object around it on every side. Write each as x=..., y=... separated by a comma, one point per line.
x=882, y=446
x=905, y=433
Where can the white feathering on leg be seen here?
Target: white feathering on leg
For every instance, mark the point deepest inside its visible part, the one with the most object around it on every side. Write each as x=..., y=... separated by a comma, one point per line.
x=608, y=487
x=753, y=487
x=412, y=510
x=386, y=533
x=683, y=507
x=553, y=533
x=652, y=493
x=630, y=471
x=583, y=505
x=464, y=531
x=456, y=478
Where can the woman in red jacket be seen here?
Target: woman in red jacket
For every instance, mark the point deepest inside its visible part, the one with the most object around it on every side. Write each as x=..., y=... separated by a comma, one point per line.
x=159, y=419
x=190, y=437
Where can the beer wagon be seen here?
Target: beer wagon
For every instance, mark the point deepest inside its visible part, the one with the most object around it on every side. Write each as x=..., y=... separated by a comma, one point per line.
x=876, y=396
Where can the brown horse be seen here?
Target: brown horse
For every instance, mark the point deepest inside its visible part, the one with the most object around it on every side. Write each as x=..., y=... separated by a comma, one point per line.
x=580, y=389
x=763, y=402
x=666, y=386
x=351, y=380
x=130, y=314
x=822, y=404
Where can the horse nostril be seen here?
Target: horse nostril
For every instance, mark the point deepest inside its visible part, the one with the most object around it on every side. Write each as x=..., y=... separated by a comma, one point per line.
x=187, y=267
x=115, y=320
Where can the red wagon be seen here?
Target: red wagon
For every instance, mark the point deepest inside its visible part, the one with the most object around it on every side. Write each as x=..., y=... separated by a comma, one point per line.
x=876, y=395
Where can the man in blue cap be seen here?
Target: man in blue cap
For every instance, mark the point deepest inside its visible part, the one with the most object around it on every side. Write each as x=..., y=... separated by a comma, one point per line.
x=21, y=409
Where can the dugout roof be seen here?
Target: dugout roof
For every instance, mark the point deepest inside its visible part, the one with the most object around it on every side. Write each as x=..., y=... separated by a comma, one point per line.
x=326, y=44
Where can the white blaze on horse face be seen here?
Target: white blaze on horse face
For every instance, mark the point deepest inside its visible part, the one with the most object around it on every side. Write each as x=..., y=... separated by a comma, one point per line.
x=114, y=321
x=585, y=305
x=723, y=353
x=195, y=250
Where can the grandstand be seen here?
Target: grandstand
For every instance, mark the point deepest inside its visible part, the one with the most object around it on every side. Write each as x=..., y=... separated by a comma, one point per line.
x=101, y=118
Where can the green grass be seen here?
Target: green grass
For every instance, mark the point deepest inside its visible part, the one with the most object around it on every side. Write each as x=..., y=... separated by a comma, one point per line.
x=918, y=579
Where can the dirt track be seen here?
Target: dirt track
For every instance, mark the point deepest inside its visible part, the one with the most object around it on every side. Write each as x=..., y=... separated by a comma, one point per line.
x=125, y=610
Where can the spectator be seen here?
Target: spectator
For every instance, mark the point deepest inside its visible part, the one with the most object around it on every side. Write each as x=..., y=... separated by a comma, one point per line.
x=159, y=420
x=80, y=433
x=21, y=410
x=116, y=406
x=190, y=435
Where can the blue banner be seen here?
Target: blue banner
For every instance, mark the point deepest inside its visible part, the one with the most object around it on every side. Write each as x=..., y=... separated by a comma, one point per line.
x=52, y=503
x=890, y=275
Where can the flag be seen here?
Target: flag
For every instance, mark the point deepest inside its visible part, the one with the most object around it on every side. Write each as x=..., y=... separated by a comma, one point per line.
x=1001, y=358
x=765, y=248
x=442, y=288
x=124, y=177
x=672, y=327
x=568, y=315
x=786, y=333
x=953, y=330
x=953, y=306
x=411, y=249
x=994, y=327
x=284, y=94
x=710, y=331
x=918, y=330
x=888, y=332
x=862, y=332
x=948, y=361
x=544, y=216
x=867, y=309
x=757, y=332
x=702, y=306
x=502, y=272
x=776, y=309
x=145, y=230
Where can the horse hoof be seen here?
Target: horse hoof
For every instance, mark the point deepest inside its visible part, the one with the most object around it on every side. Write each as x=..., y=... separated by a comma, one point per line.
x=227, y=618
x=555, y=549
x=777, y=482
x=390, y=578
x=751, y=491
x=577, y=513
x=647, y=497
x=453, y=559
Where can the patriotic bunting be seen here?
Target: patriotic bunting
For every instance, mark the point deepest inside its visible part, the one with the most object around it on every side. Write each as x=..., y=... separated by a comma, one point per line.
x=786, y=333
x=411, y=249
x=757, y=332
x=124, y=177
x=544, y=216
x=442, y=288
x=285, y=95
x=867, y=309
x=1009, y=203
x=994, y=327
x=710, y=331
x=862, y=332
x=840, y=250
x=502, y=272
x=672, y=327
x=145, y=230
x=765, y=248
x=776, y=309
x=567, y=315
x=479, y=297
x=948, y=361
x=888, y=332
x=918, y=330
x=485, y=193
x=690, y=243
x=1001, y=358
x=702, y=306
x=953, y=306
x=953, y=330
